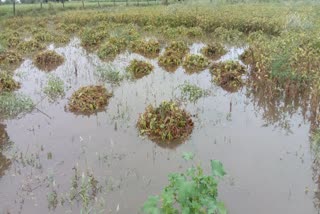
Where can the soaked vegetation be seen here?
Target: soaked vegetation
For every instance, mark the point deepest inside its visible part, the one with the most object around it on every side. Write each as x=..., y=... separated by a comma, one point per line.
x=190, y=192
x=10, y=59
x=170, y=60
x=30, y=46
x=139, y=69
x=12, y=105
x=195, y=63
x=89, y=99
x=228, y=75
x=54, y=88
x=213, y=50
x=48, y=60
x=192, y=92
x=167, y=123
x=150, y=48
x=108, y=73
x=7, y=83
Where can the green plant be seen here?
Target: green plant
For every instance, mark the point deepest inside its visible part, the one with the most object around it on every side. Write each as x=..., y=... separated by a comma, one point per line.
x=11, y=104
x=179, y=47
x=112, y=48
x=192, y=92
x=139, y=69
x=48, y=60
x=89, y=99
x=91, y=38
x=54, y=87
x=195, y=63
x=10, y=58
x=7, y=83
x=189, y=192
x=167, y=122
x=109, y=73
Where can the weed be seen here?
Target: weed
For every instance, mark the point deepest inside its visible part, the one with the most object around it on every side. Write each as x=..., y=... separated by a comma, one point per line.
x=48, y=60
x=139, y=69
x=7, y=83
x=195, y=63
x=89, y=99
x=11, y=104
x=189, y=192
x=228, y=75
x=166, y=123
x=54, y=87
x=192, y=92
x=109, y=73
x=213, y=50
x=178, y=47
x=91, y=38
x=108, y=51
x=43, y=36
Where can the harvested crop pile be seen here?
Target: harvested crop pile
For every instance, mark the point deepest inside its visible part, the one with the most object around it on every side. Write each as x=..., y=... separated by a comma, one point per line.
x=139, y=69
x=10, y=58
x=89, y=99
x=195, y=63
x=228, y=75
x=7, y=83
x=149, y=48
x=166, y=123
x=213, y=50
x=48, y=60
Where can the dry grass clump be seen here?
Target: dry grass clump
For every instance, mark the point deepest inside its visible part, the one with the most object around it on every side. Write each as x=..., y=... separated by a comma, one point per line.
x=228, y=75
x=139, y=69
x=48, y=60
x=195, y=63
x=167, y=123
x=7, y=83
x=213, y=50
x=89, y=99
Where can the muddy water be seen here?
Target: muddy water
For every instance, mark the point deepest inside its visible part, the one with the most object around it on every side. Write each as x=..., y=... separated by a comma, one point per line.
x=269, y=167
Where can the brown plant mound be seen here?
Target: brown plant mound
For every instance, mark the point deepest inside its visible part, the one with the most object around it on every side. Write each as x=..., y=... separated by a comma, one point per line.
x=89, y=99
x=228, y=75
x=166, y=124
x=10, y=58
x=48, y=60
x=7, y=83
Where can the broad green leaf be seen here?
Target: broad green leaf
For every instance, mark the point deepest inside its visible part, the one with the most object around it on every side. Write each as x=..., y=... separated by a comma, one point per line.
x=151, y=205
x=217, y=168
x=221, y=208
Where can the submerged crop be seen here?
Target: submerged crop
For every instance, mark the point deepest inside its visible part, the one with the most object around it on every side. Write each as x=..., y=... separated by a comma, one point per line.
x=48, y=60
x=167, y=123
x=139, y=69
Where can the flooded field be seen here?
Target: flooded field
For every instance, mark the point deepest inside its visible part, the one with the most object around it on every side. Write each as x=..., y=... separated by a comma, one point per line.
x=51, y=150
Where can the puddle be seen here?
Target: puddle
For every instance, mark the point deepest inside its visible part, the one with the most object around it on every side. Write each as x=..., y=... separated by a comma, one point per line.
x=269, y=168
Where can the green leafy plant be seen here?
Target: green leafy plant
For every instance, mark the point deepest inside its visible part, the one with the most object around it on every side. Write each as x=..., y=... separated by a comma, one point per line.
x=179, y=47
x=170, y=60
x=48, y=60
x=167, y=122
x=190, y=192
x=139, y=69
x=109, y=73
x=192, y=92
x=195, y=63
x=54, y=87
x=12, y=104
x=91, y=38
x=89, y=99
x=30, y=46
